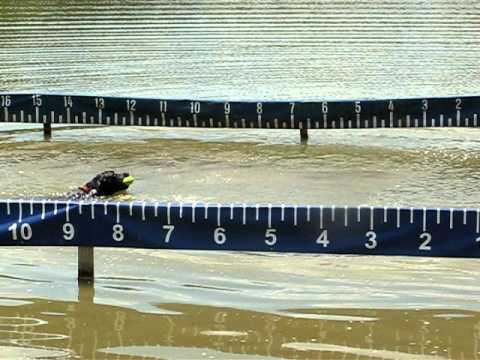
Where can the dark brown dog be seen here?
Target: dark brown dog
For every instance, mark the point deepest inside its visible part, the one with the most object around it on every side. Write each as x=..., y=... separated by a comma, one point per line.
x=104, y=184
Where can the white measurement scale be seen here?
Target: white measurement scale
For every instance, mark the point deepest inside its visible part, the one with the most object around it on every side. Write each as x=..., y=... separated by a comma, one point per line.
x=281, y=228
x=355, y=114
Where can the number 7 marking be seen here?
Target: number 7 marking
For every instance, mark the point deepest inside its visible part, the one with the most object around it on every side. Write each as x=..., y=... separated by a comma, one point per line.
x=169, y=229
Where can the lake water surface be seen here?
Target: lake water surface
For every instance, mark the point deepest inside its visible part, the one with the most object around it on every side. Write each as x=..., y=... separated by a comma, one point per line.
x=200, y=305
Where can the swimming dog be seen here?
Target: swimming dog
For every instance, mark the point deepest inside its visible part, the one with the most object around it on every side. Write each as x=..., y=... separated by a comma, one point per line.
x=106, y=183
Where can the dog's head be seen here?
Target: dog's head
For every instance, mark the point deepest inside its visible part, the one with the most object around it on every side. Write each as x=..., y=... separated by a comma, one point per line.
x=108, y=183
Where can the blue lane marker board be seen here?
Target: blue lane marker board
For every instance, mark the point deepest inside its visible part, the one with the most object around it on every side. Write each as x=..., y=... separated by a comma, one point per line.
x=332, y=114
x=271, y=228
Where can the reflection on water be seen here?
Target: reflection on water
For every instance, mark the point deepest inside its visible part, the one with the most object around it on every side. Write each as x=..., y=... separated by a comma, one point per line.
x=97, y=331
x=242, y=306
x=174, y=305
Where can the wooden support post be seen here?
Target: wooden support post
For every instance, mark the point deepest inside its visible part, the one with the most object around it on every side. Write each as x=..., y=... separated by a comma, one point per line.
x=303, y=135
x=85, y=264
x=86, y=292
x=47, y=130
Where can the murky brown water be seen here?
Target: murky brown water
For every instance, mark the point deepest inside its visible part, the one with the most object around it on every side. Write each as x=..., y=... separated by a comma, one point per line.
x=194, y=305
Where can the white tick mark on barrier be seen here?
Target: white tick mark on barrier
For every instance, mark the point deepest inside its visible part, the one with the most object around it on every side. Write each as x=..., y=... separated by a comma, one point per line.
x=168, y=213
x=67, y=211
x=55, y=207
x=269, y=216
x=19, y=211
x=438, y=216
x=8, y=206
x=130, y=208
x=244, y=215
x=424, y=222
x=105, y=208
x=31, y=207
x=219, y=212
x=371, y=217
x=282, y=215
x=478, y=221
x=92, y=210
x=398, y=218
x=451, y=218
x=43, y=210
x=194, y=206
x=143, y=211
x=346, y=216
x=206, y=211
x=321, y=217
x=118, y=212
x=231, y=211
x=257, y=212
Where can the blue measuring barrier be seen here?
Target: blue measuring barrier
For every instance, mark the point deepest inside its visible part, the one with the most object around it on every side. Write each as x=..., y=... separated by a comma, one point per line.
x=270, y=228
x=331, y=114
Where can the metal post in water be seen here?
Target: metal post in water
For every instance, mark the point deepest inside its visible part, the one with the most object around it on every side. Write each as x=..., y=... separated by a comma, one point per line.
x=85, y=263
x=303, y=135
x=47, y=130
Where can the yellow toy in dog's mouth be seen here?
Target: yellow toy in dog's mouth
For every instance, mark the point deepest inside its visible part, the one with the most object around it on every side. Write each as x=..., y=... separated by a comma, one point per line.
x=128, y=180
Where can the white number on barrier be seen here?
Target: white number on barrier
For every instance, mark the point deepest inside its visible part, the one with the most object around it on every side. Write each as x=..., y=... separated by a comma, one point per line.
x=131, y=105
x=68, y=231
x=67, y=101
x=100, y=103
x=25, y=231
x=163, y=106
x=219, y=236
x=227, y=108
x=271, y=237
x=390, y=106
x=5, y=100
x=169, y=229
x=424, y=245
x=424, y=105
x=372, y=240
x=118, y=232
x=325, y=107
x=292, y=108
x=37, y=100
x=358, y=107
x=194, y=107
x=458, y=104
x=323, y=238
x=259, y=108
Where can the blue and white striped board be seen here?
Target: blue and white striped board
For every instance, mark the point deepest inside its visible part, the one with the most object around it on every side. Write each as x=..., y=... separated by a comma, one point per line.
x=331, y=114
x=271, y=228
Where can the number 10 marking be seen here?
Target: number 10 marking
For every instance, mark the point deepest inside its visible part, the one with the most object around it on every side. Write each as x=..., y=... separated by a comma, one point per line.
x=25, y=231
